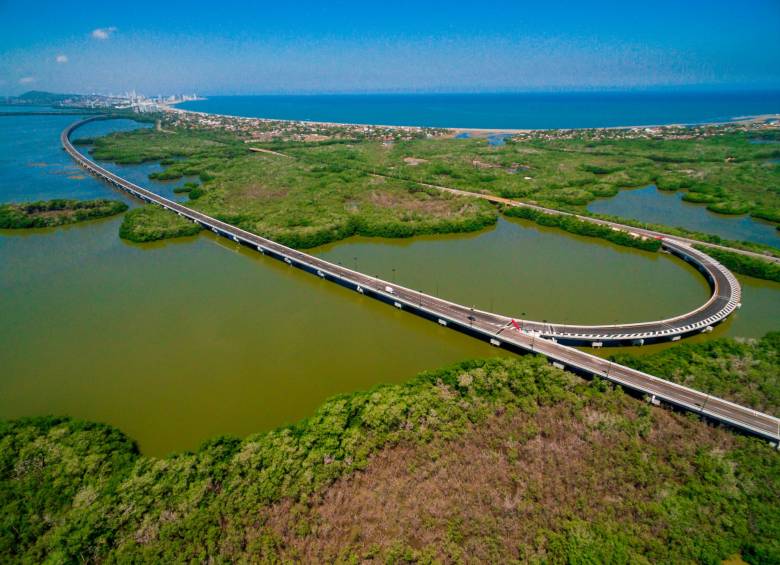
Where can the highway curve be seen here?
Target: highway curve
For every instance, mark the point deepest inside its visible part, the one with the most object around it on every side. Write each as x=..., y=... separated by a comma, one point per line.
x=504, y=331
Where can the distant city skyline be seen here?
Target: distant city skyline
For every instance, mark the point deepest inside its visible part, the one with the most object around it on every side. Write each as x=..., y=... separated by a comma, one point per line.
x=353, y=47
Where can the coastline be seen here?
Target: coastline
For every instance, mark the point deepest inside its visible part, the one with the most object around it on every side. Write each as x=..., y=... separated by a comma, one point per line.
x=170, y=108
x=739, y=120
x=478, y=132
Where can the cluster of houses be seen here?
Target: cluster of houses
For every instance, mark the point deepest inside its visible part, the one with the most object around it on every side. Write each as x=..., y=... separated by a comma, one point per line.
x=260, y=129
x=651, y=132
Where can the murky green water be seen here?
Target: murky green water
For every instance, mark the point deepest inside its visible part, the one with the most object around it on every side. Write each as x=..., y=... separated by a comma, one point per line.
x=178, y=342
x=519, y=268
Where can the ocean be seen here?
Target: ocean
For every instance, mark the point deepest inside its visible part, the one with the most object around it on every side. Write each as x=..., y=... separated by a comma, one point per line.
x=501, y=111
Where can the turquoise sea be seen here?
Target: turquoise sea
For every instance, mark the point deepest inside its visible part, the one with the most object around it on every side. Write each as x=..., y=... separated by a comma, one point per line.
x=501, y=111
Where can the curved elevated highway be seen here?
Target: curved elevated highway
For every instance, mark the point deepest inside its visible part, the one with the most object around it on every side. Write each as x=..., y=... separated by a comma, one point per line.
x=503, y=331
x=725, y=299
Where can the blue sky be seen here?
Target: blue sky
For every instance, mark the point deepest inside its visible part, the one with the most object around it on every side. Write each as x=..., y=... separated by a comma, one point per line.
x=230, y=47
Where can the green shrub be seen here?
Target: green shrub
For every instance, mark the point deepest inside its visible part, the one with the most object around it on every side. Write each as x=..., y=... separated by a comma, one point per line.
x=186, y=187
x=743, y=264
x=196, y=192
x=704, y=237
x=714, y=366
x=152, y=223
x=731, y=208
x=699, y=197
x=769, y=214
x=603, y=190
x=580, y=227
x=167, y=174
x=673, y=182
x=599, y=169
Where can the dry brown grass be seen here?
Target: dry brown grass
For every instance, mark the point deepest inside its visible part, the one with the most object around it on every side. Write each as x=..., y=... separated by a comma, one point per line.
x=437, y=207
x=485, y=496
x=254, y=192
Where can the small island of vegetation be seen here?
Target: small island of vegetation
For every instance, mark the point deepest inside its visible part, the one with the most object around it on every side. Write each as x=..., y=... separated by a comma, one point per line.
x=58, y=212
x=152, y=223
x=497, y=460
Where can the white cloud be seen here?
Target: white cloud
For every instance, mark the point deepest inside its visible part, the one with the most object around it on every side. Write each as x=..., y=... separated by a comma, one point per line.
x=61, y=59
x=26, y=80
x=103, y=32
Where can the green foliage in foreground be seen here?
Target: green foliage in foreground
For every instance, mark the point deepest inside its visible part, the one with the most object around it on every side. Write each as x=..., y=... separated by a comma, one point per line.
x=49, y=467
x=49, y=213
x=74, y=492
x=579, y=227
x=151, y=223
x=744, y=265
x=743, y=371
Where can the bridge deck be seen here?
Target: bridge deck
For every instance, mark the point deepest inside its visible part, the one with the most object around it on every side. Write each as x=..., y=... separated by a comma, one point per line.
x=498, y=329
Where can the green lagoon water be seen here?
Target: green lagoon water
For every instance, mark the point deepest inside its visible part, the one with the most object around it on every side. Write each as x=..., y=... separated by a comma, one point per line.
x=648, y=204
x=175, y=343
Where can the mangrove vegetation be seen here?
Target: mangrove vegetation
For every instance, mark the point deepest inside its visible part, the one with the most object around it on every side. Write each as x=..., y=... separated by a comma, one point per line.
x=493, y=460
x=152, y=223
x=305, y=193
x=581, y=227
x=57, y=212
x=745, y=371
x=743, y=264
x=289, y=200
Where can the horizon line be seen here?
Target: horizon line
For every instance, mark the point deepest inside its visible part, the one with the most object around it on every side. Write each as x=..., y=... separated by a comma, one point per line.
x=698, y=88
